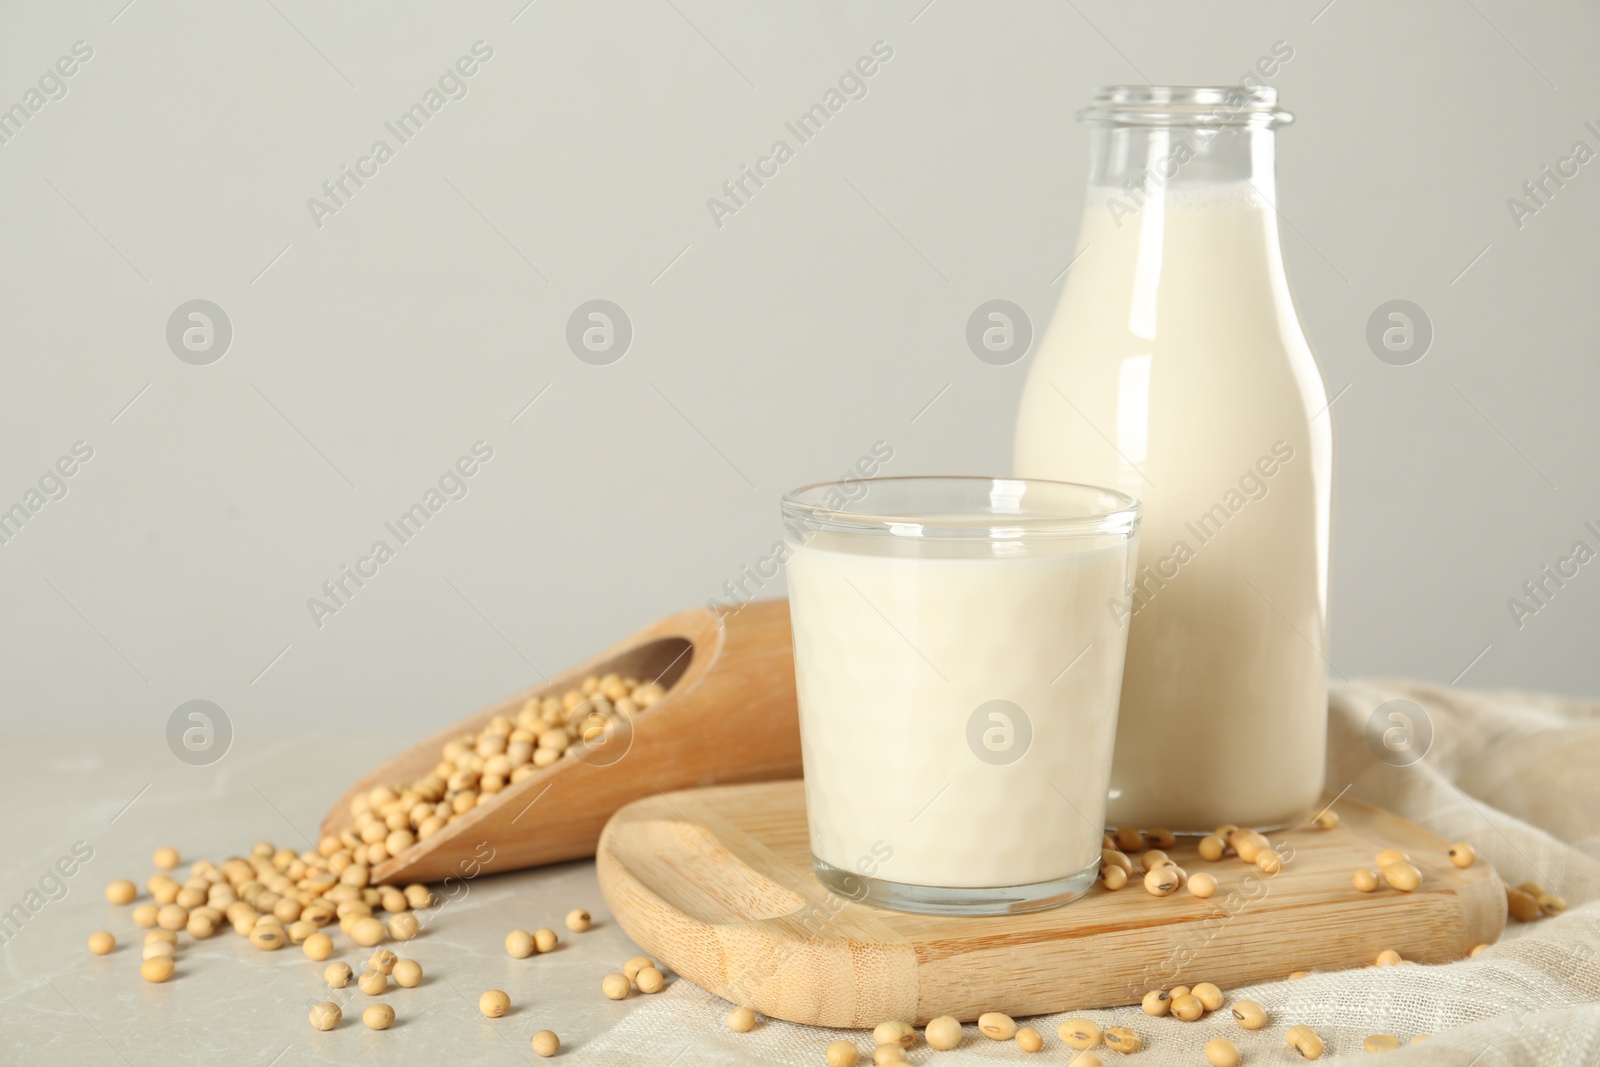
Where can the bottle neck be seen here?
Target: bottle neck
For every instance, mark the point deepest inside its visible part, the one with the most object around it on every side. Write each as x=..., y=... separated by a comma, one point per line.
x=1148, y=161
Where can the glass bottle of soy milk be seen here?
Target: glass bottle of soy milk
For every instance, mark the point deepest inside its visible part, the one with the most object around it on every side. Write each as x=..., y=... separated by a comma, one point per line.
x=1176, y=370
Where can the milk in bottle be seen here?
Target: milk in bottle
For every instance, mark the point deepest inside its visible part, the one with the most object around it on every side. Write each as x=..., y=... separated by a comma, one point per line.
x=1175, y=369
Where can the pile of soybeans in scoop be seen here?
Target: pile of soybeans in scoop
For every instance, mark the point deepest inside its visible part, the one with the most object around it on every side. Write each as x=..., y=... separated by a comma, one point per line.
x=475, y=767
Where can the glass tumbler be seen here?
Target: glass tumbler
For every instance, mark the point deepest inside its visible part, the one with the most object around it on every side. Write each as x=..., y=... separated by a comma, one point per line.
x=958, y=667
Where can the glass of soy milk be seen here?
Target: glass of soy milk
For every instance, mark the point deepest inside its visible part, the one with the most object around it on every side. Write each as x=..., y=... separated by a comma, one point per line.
x=958, y=673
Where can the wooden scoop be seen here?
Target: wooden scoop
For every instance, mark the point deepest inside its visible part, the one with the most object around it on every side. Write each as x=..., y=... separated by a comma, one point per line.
x=729, y=715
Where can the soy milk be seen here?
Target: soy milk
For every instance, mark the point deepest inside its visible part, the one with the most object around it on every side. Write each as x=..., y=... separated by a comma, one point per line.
x=957, y=712
x=1175, y=370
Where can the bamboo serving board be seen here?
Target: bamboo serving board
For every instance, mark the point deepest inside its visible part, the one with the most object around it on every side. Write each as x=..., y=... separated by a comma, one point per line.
x=717, y=884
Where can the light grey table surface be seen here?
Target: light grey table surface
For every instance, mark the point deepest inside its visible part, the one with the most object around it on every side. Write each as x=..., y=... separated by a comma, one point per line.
x=123, y=797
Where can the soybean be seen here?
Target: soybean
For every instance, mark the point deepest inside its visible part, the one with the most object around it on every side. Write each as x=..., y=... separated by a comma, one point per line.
x=1249, y=1014
x=378, y=1017
x=1202, y=885
x=373, y=983
x=1249, y=844
x=267, y=938
x=1121, y=1039
x=1364, y=879
x=740, y=1020
x=1188, y=1007
x=885, y=1055
x=1156, y=1002
x=1524, y=907
x=1162, y=882
x=546, y=1043
x=1220, y=1052
x=404, y=926
x=997, y=1026
x=296, y=933
x=382, y=961
x=407, y=974
x=1325, y=820
x=101, y=942
x=616, y=986
x=165, y=858
x=544, y=939
x=519, y=944
x=632, y=968
x=1212, y=847
x=1208, y=995
x=650, y=980
x=1110, y=857
x=317, y=947
x=1402, y=876
x=1462, y=854
x=156, y=969
x=943, y=1033
x=121, y=891
x=1305, y=1041
x=494, y=1003
x=841, y=1054
x=1079, y=1034
x=326, y=1016
x=337, y=975
x=367, y=931
x=578, y=920
x=894, y=1032
x=1380, y=1043
x=1028, y=1039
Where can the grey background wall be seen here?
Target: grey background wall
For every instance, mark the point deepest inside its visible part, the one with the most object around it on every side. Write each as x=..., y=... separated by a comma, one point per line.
x=374, y=344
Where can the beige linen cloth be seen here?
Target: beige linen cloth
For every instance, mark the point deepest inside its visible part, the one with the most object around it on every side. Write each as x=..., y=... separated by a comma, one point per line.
x=1516, y=775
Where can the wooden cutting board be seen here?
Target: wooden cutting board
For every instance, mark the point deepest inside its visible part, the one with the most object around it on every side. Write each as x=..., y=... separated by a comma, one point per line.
x=717, y=884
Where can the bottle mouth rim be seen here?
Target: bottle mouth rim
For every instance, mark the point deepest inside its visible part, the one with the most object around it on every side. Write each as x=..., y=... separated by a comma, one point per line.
x=1254, y=106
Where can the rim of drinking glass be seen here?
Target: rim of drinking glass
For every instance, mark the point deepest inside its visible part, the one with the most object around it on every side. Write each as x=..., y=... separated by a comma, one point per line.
x=1116, y=512
x=1185, y=105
